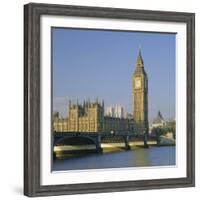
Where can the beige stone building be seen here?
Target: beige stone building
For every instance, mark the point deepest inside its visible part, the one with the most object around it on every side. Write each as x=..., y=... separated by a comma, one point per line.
x=89, y=117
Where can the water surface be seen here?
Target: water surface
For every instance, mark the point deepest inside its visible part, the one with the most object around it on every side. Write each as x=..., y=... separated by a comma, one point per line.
x=153, y=156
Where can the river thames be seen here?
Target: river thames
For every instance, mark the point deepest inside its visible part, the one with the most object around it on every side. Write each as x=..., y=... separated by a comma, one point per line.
x=141, y=157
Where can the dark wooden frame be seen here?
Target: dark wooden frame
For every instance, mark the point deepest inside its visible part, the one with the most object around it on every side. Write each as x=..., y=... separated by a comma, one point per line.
x=32, y=13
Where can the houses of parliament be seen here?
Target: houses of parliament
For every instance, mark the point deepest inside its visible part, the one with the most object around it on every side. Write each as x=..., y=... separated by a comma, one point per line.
x=90, y=117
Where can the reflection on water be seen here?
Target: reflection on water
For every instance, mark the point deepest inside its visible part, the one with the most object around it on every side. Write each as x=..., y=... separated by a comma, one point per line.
x=154, y=156
x=141, y=158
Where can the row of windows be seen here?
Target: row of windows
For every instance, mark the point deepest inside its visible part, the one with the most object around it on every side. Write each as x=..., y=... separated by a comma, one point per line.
x=108, y=125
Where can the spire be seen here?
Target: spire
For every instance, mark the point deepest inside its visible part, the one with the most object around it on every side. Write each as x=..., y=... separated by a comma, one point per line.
x=103, y=103
x=77, y=102
x=69, y=107
x=69, y=104
x=84, y=104
x=72, y=104
x=160, y=115
x=159, y=118
x=140, y=62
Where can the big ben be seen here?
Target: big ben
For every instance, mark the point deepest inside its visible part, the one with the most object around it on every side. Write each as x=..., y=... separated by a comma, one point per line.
x=140, y=94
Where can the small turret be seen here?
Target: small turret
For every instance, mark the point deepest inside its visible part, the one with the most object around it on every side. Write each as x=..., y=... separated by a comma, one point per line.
x=56, y=115
x=72, y=104
x=102, y=103
x=69, y=107
x=77, y=103
x=84, y=104
x=96, y=100
x=69, y=104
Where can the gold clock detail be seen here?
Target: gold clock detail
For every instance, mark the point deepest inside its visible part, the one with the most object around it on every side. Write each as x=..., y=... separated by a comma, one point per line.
x=137, y=83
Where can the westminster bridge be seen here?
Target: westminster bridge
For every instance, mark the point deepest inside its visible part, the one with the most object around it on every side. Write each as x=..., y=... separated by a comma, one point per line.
x=97, y=138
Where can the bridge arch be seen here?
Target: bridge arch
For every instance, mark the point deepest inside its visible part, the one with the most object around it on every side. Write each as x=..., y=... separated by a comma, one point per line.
x=75, y=140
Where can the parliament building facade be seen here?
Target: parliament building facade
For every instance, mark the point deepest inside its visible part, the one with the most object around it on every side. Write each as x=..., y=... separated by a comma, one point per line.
x=90, y=117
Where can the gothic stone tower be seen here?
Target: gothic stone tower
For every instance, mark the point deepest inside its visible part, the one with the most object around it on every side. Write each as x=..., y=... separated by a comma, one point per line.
x=140, y=94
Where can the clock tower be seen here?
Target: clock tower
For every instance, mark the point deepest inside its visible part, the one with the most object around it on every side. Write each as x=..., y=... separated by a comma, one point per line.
x=140, y=94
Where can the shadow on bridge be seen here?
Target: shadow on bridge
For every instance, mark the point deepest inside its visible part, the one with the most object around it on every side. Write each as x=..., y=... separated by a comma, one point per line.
x=75, y=144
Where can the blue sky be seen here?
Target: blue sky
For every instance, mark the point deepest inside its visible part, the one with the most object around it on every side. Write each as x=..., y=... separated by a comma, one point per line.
x=94, y=63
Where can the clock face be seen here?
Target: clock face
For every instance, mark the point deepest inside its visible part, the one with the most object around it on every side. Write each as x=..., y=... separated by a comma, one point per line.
x=137, y=83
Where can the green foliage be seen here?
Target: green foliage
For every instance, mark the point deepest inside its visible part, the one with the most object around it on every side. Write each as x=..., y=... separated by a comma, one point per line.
x=159, y=131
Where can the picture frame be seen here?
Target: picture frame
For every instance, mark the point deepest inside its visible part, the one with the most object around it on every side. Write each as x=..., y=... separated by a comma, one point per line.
x=33, y=92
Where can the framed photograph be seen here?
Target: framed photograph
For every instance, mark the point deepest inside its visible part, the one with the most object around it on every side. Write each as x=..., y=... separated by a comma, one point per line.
x=109, y=99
